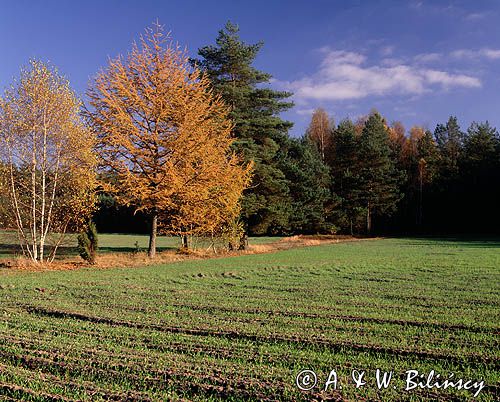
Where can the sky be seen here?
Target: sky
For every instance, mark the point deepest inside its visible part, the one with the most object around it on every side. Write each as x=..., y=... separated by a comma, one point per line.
x=415, y=61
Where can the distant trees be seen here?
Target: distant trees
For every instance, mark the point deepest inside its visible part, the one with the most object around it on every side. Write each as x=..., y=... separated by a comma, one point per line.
x=378, y=177
x=309, y=182
x=449, y=139
x=165, y=138
x=344, y=162
x=47, y=174
x=479, y=177
x=413, y=181
x=177, y=141
x=364, y=172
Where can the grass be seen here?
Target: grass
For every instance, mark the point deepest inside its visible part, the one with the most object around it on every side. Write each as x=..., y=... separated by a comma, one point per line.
x=109, y=242
x=241, y=328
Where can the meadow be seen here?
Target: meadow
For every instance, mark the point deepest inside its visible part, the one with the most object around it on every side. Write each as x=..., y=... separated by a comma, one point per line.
x=242, y=328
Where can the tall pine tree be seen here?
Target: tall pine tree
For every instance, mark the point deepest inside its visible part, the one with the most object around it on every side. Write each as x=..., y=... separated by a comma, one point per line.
x=480, y=178
x=449, y=139
x=309, y=182
x=379, y=179
x=344, y=167
x=261, y=135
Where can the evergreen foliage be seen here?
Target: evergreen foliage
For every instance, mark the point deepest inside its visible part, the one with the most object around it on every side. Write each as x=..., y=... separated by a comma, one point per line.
x=88, y=243
x=261, y=135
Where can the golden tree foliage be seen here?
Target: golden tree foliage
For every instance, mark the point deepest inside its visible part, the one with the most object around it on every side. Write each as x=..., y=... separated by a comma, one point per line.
x=47, y=173
x=165, y=138
x=320, y=132
x=397, y=135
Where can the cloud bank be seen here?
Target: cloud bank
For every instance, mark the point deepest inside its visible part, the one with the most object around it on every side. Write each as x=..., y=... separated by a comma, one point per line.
x=344, y=75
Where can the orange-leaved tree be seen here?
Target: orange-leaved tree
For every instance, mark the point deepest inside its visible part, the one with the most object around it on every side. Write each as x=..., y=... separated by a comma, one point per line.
x=210, y=204
x=320, y=132
x=165, y=138
x=47, y=164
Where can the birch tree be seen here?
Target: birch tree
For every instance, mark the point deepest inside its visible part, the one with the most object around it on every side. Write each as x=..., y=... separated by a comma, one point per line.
x=320, y=131
x=47, y=175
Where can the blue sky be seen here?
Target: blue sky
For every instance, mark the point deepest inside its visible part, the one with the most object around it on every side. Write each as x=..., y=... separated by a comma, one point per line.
x=415, y=61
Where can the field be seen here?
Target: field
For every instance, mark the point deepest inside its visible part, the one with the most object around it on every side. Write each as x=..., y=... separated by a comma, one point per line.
x=241, y=328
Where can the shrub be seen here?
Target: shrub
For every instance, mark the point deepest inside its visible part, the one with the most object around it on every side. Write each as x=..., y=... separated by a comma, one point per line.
x=88, y=244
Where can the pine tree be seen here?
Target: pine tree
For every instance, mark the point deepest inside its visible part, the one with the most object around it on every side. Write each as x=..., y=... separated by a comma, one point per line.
x=480, y=148
x=479, y=168
x=309, y=187
x=261, y=135
x=449, y=139
x=428, y=165
x=88, y=243
x=344, y=168
x=379, y=179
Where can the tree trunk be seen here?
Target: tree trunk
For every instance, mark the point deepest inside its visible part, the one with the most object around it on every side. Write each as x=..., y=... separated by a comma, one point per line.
x=368, y=220
x=152, y=236
x=420, y=199
x=185, y=242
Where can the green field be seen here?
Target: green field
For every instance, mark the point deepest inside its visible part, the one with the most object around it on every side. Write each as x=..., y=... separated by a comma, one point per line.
x=241, y=328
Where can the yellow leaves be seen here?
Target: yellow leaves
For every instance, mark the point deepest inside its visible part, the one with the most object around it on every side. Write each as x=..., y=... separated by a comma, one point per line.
x=49, y=155
x=166, y=137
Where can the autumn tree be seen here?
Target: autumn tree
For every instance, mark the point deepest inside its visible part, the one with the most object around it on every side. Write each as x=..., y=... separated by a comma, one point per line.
x=419, y=159
x=47, y=173
x=319, y=132
x=398, y=142
x=209, y=203
x=166, y=139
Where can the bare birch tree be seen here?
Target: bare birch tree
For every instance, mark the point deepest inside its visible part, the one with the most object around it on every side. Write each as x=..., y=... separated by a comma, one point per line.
x=320, y=132
x=46, y=153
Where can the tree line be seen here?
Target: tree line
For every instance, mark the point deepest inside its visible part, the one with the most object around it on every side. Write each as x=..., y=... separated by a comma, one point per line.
x=358, y=177
x=196, y=147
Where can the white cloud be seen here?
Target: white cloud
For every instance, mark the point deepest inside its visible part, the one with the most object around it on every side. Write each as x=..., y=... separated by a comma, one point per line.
x=306, y=112
x=345, y=75
x=450, y=80
x=487, y=53
x=476, y=16
x=427, y=57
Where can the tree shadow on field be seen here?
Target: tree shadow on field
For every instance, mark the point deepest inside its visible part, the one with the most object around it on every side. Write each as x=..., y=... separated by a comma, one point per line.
x=131, y=249
x=9, y=250
x=13, y=250
x=468, y=241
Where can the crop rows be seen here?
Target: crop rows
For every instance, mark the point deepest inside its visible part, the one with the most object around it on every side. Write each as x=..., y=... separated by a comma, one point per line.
x=241, y=328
